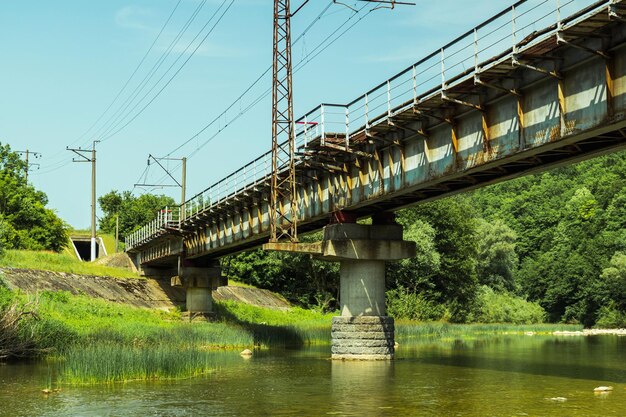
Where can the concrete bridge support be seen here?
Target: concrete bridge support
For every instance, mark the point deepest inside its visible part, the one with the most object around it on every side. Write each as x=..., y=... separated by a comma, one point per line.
x=199, y=282
x=363, y=331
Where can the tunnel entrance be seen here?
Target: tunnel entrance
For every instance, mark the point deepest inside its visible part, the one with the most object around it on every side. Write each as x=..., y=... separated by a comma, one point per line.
x=82, y=248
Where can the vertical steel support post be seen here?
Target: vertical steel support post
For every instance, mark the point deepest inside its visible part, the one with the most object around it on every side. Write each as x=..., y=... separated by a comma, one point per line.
x=475, y=51
x=323, y=133
x=183, y=189
x=367, y=111
x=347, y=129
x=514, y=29
x=283, y=224
x=388, y=98
x=443, y=72
x=414, y=85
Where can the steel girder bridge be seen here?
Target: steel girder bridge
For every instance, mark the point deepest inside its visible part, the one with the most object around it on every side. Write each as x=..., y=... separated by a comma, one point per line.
x=539, y=85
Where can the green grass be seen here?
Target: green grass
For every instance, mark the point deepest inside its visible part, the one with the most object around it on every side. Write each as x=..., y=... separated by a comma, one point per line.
x=108, y=239
x=408, y=332
x=59, y=262
x=233, y=283
x=110, y=363
x=275, y=328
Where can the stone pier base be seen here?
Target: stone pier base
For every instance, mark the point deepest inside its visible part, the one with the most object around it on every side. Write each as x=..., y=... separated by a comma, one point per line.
x=363, y=338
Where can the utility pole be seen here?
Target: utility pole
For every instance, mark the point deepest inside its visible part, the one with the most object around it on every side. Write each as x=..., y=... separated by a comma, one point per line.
x=29, y=164
x=283, y=208
x=182, y=184
x=117, y=231
x=83, y=158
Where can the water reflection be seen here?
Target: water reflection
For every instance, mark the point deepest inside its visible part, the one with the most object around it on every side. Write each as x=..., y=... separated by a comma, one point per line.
x=512, y=375
x=361, y=385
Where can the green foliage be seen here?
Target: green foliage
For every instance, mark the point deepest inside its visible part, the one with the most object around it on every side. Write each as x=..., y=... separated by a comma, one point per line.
x=25, y=222
x=59, y=262
x=403, y=304
x=408, y=332
x=133, y=211
x=454, y=282
x=610, y=317
x=496, y=258
x=568, y=222
x=614, y=278
x=308, y=282
x=494, y=307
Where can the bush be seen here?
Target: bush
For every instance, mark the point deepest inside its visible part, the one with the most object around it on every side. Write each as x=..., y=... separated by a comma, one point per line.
x=493, y=307
x=403, y=304
x=610, y=317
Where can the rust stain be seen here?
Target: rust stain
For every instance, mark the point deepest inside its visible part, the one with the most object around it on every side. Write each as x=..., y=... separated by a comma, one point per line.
x=555, y=133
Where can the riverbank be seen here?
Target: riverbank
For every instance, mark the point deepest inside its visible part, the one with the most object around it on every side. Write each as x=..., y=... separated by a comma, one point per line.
x=94, y=329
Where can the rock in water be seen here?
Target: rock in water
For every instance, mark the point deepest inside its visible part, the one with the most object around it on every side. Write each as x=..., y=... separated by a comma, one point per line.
x=602, y=389
x=557, y=399
x=246, y=352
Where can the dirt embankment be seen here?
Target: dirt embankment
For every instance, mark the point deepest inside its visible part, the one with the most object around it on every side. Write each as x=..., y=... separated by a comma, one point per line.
x=146, y=293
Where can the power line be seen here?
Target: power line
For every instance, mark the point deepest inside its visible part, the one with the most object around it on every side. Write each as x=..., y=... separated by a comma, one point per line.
x=237, y=100
x=315, y=52
x=157, y=65
x=320, y=47
x=107, y=135
x=119, y=93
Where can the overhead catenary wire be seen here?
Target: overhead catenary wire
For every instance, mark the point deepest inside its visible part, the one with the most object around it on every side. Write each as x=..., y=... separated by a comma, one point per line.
x=316, y=51
x=319, y=48
x=143, y=59
x=109, y=134
x=122, y=112
x=308, y=58
x=118, y=95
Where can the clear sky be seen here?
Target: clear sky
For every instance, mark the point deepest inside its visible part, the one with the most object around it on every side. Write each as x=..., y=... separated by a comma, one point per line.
x=64, y=62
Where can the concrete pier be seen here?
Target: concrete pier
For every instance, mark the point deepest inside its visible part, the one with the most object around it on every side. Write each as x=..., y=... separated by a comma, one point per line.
x=363, y=331
x=198, y=283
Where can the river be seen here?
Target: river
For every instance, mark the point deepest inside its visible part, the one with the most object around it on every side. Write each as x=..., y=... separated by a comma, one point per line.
x=494, y=376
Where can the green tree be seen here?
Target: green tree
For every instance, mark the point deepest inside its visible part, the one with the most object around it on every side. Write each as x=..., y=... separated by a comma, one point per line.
x=455, y=282
x=133, y=211
x=25, y=221
x=496, y=259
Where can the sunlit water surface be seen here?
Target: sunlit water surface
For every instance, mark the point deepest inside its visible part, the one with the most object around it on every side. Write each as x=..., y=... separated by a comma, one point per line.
x=496, y=376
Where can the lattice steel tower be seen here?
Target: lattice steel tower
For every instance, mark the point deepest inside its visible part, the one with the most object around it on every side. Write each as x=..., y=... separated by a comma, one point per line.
x=283, y=205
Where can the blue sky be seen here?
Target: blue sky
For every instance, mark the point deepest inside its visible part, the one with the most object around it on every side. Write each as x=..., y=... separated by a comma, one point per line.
x=64, y=61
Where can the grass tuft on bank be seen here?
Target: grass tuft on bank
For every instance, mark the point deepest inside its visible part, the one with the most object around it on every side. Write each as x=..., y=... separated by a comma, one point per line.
x=59, y=262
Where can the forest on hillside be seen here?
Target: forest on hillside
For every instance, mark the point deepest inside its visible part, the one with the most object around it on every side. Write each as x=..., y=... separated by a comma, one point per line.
x=548, y=247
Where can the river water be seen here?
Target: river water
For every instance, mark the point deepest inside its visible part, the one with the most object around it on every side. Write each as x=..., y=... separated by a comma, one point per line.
x=495, y=376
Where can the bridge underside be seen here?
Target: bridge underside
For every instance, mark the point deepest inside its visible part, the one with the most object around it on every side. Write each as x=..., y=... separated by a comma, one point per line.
x=554, y=98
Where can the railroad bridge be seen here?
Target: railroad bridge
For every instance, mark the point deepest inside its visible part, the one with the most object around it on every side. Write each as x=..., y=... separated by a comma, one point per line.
x=541, y=84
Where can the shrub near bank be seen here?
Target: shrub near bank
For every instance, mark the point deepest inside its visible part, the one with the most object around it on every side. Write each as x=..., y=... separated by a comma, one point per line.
x=489, y=307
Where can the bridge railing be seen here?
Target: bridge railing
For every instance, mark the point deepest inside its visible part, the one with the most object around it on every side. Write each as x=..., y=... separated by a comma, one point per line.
x=168, y=217
x=520, y=25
